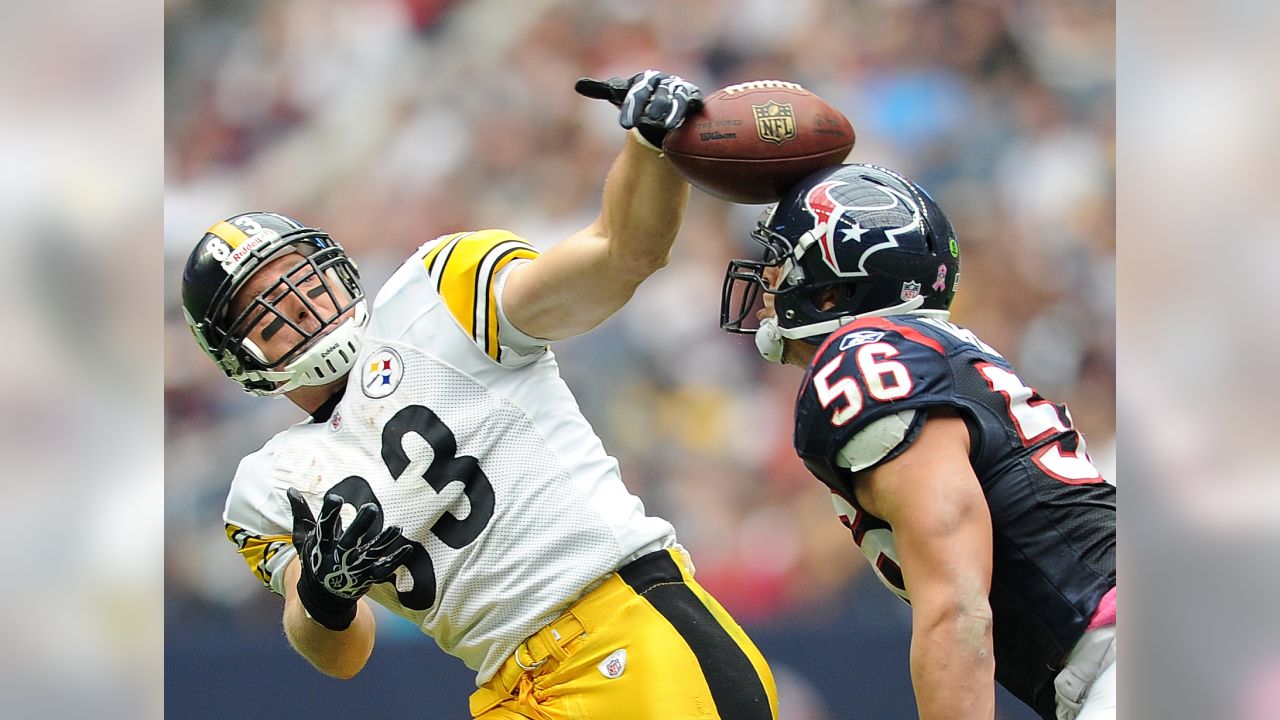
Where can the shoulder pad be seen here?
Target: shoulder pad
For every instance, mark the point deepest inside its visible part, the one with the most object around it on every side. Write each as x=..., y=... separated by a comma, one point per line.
x=877, y=441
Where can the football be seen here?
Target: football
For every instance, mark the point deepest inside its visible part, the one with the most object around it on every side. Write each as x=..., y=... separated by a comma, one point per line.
x=752, y=141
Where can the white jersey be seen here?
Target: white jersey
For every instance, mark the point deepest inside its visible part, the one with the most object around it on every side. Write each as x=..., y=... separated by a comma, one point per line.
x=461, y=428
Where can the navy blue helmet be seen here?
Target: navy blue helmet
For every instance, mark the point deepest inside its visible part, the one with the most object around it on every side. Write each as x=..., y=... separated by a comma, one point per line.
x=849, y=241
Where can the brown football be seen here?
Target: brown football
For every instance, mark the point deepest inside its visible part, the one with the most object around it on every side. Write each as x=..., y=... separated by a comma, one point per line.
x=752, y=141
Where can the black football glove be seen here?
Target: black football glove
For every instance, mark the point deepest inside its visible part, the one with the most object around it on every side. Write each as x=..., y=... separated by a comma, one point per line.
x=339, y=567
x=652, y=102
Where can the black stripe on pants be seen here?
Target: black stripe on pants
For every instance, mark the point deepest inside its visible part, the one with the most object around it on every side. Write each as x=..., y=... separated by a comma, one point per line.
x=735, y=685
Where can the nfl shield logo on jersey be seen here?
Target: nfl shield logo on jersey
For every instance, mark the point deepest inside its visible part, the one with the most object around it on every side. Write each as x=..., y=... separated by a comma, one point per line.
x=382, y=373
x=612, y=666
x=910, y=290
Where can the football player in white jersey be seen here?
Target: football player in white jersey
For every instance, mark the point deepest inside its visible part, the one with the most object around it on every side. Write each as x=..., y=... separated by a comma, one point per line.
x=446, y=471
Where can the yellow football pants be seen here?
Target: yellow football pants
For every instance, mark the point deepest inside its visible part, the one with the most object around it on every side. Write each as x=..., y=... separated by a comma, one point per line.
x=648, y=644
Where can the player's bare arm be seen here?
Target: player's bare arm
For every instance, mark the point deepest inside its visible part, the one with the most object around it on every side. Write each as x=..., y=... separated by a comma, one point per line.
x=942, y=528
x=340, y=654
x=325, y=616
x=577, y=284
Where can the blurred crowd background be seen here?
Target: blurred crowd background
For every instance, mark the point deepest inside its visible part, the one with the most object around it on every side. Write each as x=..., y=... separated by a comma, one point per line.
x=390, y=122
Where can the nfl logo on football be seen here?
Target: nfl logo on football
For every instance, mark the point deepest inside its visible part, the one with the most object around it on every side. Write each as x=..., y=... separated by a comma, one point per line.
x=910, y=290
x=775, y=122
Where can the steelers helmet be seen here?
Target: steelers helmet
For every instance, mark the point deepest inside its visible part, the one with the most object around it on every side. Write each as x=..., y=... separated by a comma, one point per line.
x=227, y=256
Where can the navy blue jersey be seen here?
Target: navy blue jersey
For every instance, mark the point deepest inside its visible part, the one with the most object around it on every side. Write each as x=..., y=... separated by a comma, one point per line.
x=1052, y=514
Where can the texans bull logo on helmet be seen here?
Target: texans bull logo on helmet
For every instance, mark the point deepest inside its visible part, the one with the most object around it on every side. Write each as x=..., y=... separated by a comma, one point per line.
x=835, y=206
x=825, y=238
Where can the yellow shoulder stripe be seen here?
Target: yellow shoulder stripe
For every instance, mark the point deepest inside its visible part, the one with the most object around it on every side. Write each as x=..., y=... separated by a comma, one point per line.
x=257, y=550
x=445, y=241
x=463, y=267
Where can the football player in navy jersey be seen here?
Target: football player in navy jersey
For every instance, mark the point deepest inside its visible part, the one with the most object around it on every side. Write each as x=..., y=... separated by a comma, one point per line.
x=972, y=496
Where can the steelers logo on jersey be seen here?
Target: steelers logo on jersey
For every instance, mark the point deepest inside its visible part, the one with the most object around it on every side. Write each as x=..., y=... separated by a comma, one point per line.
x=382, y=372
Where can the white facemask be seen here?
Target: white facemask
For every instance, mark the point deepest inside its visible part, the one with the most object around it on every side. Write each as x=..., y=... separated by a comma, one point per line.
x=331, y=357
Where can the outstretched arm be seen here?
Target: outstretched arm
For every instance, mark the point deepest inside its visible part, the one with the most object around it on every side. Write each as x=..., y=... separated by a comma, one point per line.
x=576, y=285
x=942, y=531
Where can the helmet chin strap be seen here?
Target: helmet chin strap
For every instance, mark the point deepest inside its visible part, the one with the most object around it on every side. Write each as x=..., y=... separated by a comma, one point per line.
x=770, y=337
x=330, y=358
x=769, y=340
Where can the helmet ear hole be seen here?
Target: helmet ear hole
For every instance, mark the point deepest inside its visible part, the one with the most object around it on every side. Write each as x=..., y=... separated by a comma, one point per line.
x=826, y=298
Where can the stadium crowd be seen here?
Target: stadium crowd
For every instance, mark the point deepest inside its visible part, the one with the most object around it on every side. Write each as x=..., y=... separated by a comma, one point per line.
x=389, y=122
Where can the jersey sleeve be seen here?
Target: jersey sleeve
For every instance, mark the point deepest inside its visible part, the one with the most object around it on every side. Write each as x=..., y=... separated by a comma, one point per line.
x=469, y=270
x=258, y=521
x=865, y=393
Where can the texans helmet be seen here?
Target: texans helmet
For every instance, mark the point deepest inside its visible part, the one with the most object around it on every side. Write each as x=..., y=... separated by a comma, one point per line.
x=848, y=241
x=224, y=260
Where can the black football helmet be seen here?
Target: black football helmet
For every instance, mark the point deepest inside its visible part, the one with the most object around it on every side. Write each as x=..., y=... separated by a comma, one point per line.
x=228, y=256
x=849, y=241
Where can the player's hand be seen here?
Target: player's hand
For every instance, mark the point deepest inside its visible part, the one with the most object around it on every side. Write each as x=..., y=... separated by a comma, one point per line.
x=339, y=567
x=652, y=102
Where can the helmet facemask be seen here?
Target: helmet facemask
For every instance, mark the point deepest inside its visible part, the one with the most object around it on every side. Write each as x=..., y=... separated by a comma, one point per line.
x=795, y=296
x=327, y=333
x=745, y=284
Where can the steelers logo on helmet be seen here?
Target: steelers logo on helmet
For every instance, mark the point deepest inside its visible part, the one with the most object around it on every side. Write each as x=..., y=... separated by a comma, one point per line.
x=383, y=370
